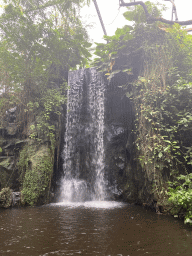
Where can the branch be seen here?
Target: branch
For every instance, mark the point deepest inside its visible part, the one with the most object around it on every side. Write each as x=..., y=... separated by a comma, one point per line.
x=153, y=19
x=188, y=29
x=43, y=6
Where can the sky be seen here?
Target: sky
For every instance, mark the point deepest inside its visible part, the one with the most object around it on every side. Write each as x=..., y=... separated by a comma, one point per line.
x=113, y=16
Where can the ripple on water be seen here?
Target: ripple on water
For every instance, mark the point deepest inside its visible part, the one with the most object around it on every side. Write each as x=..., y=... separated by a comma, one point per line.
x=91, y=204
x=89, y=229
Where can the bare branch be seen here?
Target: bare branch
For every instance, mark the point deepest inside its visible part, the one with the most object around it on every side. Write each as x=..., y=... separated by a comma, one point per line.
x=153, y=19
x=122, y=3
x=188, y=29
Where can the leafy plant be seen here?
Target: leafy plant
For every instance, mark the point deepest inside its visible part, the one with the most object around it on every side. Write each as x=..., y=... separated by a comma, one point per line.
x=36, y=165
x=180, y=196
x=40, y=42
x=5, y=198
x=155, y=61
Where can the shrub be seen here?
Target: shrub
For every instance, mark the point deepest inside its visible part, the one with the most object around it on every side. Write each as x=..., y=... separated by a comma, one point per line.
x=180, y=192
x=5, y=198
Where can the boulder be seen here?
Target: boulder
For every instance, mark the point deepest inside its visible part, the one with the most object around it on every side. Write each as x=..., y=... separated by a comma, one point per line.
x=16, y=198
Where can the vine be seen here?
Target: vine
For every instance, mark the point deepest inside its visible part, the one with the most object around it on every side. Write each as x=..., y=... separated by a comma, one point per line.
x=157, y=65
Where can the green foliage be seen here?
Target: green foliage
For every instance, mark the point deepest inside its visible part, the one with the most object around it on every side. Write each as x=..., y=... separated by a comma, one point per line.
x=23, y=163
x=40, y=42
x=164, y=123
x=157, y=63
x=47, y=111
x=180, y=192
x=162, y=101
x=138, y=15
x=5, y=198
x=36, y=167
x=126, y=48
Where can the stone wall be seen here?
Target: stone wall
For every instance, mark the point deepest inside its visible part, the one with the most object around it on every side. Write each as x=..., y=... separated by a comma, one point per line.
x=25, y=162
x=128, y=181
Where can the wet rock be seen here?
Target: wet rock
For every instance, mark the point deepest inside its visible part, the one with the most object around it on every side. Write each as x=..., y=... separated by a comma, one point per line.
x=117, y=193
x=12, y=110
x=7, y=163
x=12, y=129
x=10, y=125
x=121, y=165
x=16, y=198
x=153, y=206
x=52, y=196
x=9, y=198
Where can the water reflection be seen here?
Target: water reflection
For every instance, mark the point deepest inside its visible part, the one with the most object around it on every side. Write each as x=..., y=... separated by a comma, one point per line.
x=91, y=229
x=91, y=204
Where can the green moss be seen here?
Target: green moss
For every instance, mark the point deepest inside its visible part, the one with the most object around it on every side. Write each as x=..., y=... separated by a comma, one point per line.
x=5, y=198
x=36, y=167
x=23, y=161
x=4, y=177
x=5, y=172
x=5, y=163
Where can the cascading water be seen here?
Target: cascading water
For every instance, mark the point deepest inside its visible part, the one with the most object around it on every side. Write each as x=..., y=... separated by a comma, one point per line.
x=83, y=152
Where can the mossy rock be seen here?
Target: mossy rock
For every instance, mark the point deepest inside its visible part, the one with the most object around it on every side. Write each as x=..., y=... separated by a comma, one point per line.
x=3, y=141
x=38, y=165
x=6, y=170
x=4, y=177
x=6, y=163
x=5, y=198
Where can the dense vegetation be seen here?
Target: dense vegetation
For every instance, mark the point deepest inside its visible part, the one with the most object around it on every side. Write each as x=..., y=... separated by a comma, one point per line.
x=40, y=41
x=156, y=60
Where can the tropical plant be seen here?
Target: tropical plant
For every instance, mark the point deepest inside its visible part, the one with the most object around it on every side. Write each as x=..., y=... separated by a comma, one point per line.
x=40, y=42
x=180, y=197
x=155, y=61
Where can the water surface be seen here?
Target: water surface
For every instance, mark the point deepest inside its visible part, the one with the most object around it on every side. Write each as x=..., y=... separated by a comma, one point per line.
x=91, y=228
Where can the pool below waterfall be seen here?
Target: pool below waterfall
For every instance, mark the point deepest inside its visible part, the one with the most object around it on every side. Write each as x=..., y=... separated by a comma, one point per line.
x=91, y=228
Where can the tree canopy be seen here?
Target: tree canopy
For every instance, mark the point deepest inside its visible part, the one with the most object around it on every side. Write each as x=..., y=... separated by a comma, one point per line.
x=40, y=41
x=151, y=18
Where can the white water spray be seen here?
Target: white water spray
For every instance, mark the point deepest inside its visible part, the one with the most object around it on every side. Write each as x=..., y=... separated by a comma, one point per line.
x=84, y=148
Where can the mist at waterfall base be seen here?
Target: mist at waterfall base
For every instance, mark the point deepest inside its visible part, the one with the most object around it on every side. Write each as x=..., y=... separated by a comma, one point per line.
x=84, y=179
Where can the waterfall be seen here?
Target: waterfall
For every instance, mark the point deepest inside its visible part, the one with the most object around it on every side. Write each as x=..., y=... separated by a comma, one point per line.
x=83, y=152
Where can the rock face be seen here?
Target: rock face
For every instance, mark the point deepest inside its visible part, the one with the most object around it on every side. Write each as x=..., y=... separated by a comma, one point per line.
x=123, y=176
x=36, y=168
x=16, y=198
x=119, y=119
x=9, y=198
x=24, y=165
x=127, y=180
x=10, y=144
x=90, y=142
x=5, y=198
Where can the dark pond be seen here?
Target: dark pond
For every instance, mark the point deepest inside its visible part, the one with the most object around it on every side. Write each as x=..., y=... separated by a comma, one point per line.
x=92, y=229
